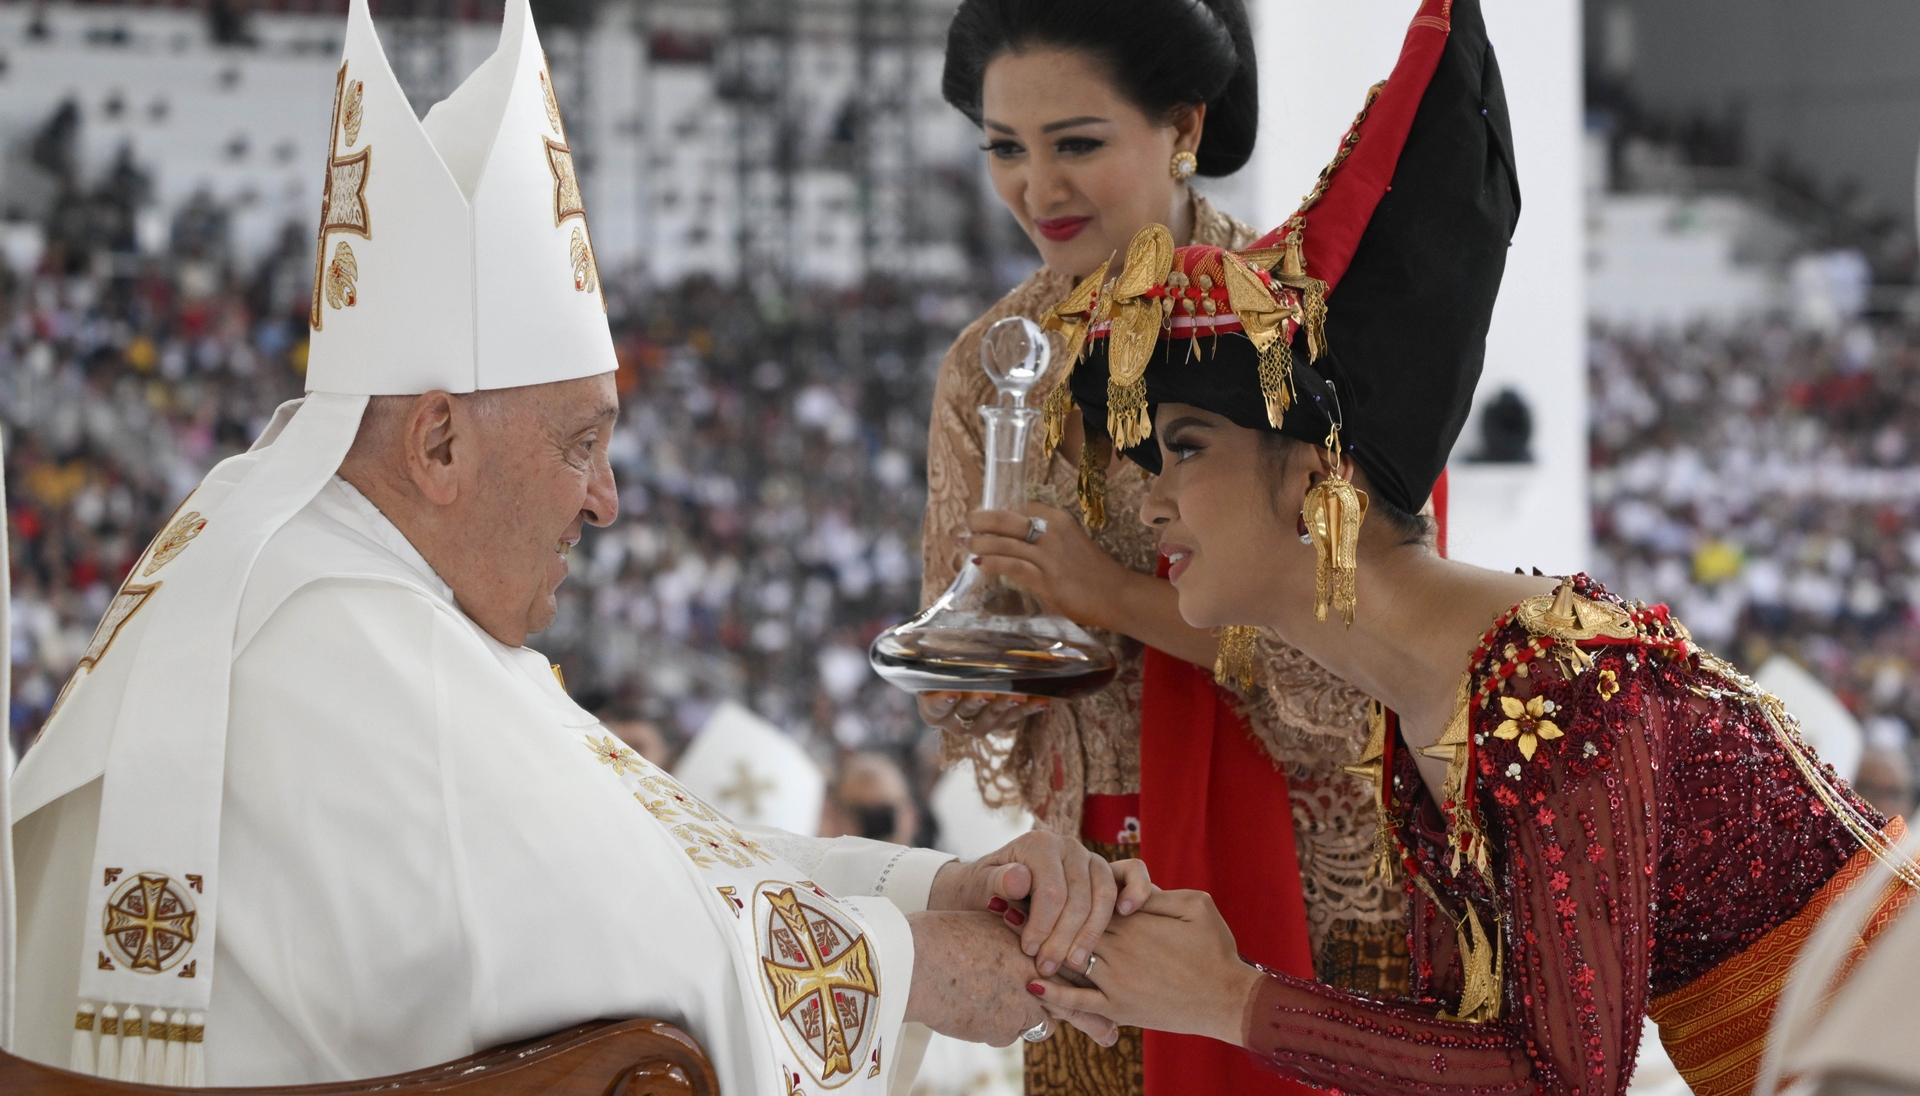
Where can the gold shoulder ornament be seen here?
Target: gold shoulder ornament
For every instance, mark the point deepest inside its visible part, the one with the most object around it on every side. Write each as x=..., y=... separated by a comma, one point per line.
x=1566, y=616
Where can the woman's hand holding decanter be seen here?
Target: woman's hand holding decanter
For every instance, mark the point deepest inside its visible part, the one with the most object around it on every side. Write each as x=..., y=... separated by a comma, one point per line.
x=1172, y=966
x=1061, y=565
x=1076, y=578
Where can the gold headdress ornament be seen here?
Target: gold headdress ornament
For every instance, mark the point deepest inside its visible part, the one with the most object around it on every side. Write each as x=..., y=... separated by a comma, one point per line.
x=1264, y=320
x=1137, y=316
x=1073, y=318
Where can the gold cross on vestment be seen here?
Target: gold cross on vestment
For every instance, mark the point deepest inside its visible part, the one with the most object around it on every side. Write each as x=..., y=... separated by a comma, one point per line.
x=746, y=791
x=815, y=978
x=151, y=909
x=343, y=203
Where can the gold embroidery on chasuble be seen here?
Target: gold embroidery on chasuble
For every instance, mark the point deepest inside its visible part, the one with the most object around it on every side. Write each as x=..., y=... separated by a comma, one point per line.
x=343, y=204
x=613, y=753
x=132, y=597
x=820, y=979
x=149, y=923
x=174, y=541
x=127, y=602
x=816, y=969
x=721, y=842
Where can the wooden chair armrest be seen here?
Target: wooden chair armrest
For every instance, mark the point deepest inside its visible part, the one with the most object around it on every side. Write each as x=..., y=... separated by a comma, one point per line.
x=603, y=1058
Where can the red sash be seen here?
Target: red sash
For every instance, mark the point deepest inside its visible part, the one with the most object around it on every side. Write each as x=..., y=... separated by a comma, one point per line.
x=1215, y=816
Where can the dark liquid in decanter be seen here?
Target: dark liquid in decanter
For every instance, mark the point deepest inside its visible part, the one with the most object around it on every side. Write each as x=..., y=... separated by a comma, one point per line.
x=991, y=662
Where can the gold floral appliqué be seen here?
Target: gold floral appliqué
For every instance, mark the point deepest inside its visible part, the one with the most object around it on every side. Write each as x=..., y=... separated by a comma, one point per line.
x=613, y=753
x=342, y=272
x=351, y=115
x=586, y=275
x=1526, y=721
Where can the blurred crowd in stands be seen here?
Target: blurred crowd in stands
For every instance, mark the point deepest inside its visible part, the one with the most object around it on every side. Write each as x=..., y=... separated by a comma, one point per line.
x=771, y=460
x=1764, y=482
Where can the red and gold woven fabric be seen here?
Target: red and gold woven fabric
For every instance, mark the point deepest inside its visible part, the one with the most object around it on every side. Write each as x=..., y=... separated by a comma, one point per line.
x=1715, y=1029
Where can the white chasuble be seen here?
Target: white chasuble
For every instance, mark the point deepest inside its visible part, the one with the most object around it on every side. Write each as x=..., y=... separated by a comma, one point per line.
x=426, y=849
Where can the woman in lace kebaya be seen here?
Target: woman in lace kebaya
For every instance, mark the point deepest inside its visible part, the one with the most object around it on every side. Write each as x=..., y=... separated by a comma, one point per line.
x=1596, y=821
x=1093, y=114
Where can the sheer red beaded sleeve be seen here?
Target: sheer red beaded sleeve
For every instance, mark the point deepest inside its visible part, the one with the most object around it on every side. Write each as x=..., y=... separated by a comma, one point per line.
x=1631, y=828
x=1577, y=869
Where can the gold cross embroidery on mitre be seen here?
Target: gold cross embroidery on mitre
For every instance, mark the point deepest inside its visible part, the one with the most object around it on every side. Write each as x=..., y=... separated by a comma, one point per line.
x=745, y=790
x=567, y=202
x=566, y=183
x=343, y=203
x=154, y=910
x=792, y=986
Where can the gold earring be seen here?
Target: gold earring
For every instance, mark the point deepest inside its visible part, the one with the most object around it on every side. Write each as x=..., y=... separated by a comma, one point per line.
x=1234, y=664
x=1334, y=510
x=1184, y=164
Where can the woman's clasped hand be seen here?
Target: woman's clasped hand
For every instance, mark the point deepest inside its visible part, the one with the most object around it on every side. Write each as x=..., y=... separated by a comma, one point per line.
x=1169, y=966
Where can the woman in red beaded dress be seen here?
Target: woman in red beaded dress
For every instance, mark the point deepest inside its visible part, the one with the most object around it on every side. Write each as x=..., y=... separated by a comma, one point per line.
x=1596, y=820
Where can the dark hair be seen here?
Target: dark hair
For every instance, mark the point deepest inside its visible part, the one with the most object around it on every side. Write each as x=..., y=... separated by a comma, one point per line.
x=1164, y=55
x=1277, y=452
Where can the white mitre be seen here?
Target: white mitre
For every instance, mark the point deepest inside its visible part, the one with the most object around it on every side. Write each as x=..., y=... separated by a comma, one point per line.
x=752, y=770
x=453, y=254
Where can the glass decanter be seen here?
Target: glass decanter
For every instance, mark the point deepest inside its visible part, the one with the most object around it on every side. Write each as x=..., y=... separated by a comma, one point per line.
x=985, y=634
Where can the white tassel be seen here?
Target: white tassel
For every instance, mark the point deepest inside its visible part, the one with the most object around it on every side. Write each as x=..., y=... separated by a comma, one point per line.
x=133, y=1046
x=81, y=1060
x=197, y=1050
x=155, y=1072
x=177, y=1049
x=109, y=1057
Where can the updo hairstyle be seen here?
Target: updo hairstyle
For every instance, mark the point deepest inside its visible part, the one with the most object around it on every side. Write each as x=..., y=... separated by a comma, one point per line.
x=1164, y=55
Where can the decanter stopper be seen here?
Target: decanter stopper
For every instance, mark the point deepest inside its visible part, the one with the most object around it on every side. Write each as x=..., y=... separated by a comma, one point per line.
x=1015, y=353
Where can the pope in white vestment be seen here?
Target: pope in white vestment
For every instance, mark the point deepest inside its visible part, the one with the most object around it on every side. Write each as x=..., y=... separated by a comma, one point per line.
x=308, y=807
x=425, y=852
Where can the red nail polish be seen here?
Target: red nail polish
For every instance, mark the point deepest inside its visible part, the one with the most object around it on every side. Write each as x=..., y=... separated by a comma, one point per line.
x=1016, y=918
x=1036, y=989
x=997, y=904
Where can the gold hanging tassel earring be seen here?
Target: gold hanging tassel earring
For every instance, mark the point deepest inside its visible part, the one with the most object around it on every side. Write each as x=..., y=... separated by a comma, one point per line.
x=1092, y=488
x=1234, y=664
x=1334, y=510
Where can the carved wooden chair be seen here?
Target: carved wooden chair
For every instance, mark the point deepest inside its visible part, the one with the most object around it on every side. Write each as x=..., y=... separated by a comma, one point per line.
x=604, y=1058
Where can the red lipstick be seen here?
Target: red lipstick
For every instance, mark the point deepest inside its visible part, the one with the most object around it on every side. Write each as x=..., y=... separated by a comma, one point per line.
x=1061, y=229
x=1178, y=557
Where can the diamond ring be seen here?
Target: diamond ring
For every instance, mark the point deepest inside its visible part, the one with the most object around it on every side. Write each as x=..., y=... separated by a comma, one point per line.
x=1035, y=527
x=1038, y=1033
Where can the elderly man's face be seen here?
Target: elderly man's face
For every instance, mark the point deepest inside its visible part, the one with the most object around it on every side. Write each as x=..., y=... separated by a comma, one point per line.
x=542, y=475
x=493, y=488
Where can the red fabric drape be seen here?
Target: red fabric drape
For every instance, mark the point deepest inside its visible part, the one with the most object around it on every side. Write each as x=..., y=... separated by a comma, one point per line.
x=1215, y=816
x=1440, y=511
